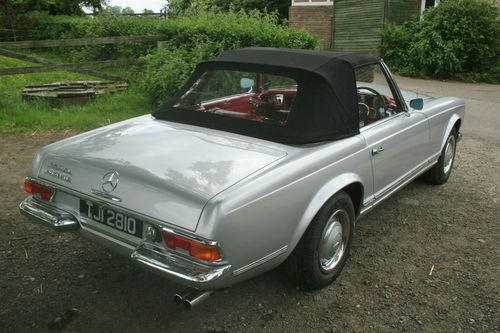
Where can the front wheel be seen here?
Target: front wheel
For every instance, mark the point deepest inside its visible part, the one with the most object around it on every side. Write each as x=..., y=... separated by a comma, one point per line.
x=441, y=171
x=322, y=251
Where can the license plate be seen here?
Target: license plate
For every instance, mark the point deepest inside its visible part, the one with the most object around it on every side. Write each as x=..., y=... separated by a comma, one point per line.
x=109, y=217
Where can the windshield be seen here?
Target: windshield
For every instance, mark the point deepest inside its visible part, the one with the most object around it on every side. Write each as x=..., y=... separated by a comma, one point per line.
x=261, y=97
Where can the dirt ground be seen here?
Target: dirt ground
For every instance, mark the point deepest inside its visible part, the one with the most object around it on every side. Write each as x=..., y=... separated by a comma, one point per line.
x=426, y=260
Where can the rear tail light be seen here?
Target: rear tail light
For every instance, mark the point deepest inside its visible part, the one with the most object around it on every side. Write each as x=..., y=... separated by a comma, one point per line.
x=195, y=249
x=35, y=188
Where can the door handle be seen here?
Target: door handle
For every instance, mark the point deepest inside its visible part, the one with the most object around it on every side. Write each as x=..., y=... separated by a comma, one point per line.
x=376, y=151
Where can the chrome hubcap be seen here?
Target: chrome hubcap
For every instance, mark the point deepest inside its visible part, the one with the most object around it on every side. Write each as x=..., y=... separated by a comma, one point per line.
x=334, y=240
x=448, y=154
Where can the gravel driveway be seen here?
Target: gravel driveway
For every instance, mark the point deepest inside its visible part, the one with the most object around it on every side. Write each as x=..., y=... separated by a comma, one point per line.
x=427, y=259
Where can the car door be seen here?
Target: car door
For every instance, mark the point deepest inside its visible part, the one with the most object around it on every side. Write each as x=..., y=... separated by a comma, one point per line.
x=397, y=140
x=398, y=149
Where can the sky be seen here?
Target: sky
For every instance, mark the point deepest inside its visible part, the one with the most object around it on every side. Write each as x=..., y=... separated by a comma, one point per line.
x=138, y=6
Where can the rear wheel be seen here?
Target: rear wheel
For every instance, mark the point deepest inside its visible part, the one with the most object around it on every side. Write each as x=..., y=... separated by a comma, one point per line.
x=441, y=171
x=322, y=252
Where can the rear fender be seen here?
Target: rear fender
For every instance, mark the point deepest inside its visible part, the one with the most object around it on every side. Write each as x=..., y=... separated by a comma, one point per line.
x=324, y=193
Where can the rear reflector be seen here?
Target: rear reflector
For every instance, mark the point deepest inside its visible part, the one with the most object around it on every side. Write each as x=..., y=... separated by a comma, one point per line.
x=35, y=188
x=195, y=249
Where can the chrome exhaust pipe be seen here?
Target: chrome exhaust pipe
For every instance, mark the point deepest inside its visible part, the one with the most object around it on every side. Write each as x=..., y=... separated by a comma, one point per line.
x=179, y=297
x=196, y=298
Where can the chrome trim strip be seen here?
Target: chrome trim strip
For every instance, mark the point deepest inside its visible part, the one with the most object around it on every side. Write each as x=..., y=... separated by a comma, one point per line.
x=381, y=121
x=187, y=272
x=437, y=114
x=393, y=85
x=199, y=240
x=398, y=185
x=403, y=179
x=192, y=237
x=105, y=195
x=260, y=261
x=48, y=215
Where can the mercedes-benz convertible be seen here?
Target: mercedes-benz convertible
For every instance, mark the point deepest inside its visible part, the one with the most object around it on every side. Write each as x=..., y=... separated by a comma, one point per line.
x=264, y=157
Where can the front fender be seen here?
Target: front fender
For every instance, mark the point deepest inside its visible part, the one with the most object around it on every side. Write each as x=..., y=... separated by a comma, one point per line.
x=451, y=123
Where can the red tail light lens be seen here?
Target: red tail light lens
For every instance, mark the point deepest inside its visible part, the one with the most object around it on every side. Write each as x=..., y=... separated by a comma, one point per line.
x=195, y=249
x=35, y=188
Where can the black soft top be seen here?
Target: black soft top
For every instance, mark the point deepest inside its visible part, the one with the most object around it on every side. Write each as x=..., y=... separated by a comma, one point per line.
x=325, y=108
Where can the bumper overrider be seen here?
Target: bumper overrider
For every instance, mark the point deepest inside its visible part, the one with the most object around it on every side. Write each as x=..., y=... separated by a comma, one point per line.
x=149, y=255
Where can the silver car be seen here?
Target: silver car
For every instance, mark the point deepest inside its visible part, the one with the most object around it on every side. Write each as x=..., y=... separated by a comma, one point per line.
x=265, y=157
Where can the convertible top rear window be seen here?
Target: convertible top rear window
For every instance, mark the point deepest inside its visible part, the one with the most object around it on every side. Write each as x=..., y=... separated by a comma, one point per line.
x=260, y=97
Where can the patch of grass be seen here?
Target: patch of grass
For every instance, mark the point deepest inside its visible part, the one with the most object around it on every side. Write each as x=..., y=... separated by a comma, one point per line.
x=19, y=116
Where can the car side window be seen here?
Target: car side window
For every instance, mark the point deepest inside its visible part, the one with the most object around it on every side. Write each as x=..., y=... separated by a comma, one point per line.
x=375, y=98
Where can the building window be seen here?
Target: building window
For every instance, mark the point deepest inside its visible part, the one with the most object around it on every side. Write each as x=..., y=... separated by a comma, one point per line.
x=428, y=3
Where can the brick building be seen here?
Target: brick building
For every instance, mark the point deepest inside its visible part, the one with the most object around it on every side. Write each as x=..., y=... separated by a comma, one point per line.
x=313, y=16
x=351, y=25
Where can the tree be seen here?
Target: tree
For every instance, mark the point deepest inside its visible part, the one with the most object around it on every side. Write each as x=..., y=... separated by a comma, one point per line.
x=64, y=7
x=15, y=14
x=458, y=36
x=111, y=10
x=53, y=7
x=147, y=11
x=128, y=10
x=177, y=7
x=281, y=6
x=13, y=17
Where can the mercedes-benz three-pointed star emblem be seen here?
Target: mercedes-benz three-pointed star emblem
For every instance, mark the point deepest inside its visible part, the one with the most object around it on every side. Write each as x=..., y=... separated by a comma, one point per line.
x=110, y=181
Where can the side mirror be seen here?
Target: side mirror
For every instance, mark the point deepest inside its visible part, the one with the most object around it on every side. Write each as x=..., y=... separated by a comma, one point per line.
x=246, y=83
x=417, y=103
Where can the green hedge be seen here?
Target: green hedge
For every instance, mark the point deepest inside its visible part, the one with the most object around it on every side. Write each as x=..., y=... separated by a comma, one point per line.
x=234, y=29
x=456, y=37
x=68, y=27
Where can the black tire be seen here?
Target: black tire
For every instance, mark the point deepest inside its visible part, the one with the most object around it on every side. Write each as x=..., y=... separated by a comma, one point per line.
x=310, y=265
x=441, y=171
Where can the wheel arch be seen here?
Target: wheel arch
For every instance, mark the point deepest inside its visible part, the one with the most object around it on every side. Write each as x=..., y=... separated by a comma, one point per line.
x=455, y=122
x=350, y=183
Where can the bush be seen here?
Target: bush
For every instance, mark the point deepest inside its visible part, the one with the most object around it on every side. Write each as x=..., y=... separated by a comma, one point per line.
x=232, y=28
x=454, y=37
x=196, y=38
x=181, y=7
x=171, y=66
x=68, y=27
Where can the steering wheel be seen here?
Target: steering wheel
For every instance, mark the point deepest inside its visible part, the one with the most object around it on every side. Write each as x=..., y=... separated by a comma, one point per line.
x=373, y=111
x=376, y=93
x=371, y=90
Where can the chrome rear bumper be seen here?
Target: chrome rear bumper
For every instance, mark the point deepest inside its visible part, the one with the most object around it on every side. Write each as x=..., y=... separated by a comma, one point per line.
x=48, y=215
x=151, y=256
x=171, y=265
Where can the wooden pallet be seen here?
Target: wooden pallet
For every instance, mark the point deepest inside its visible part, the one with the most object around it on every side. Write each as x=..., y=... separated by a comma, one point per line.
x=72, y=92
